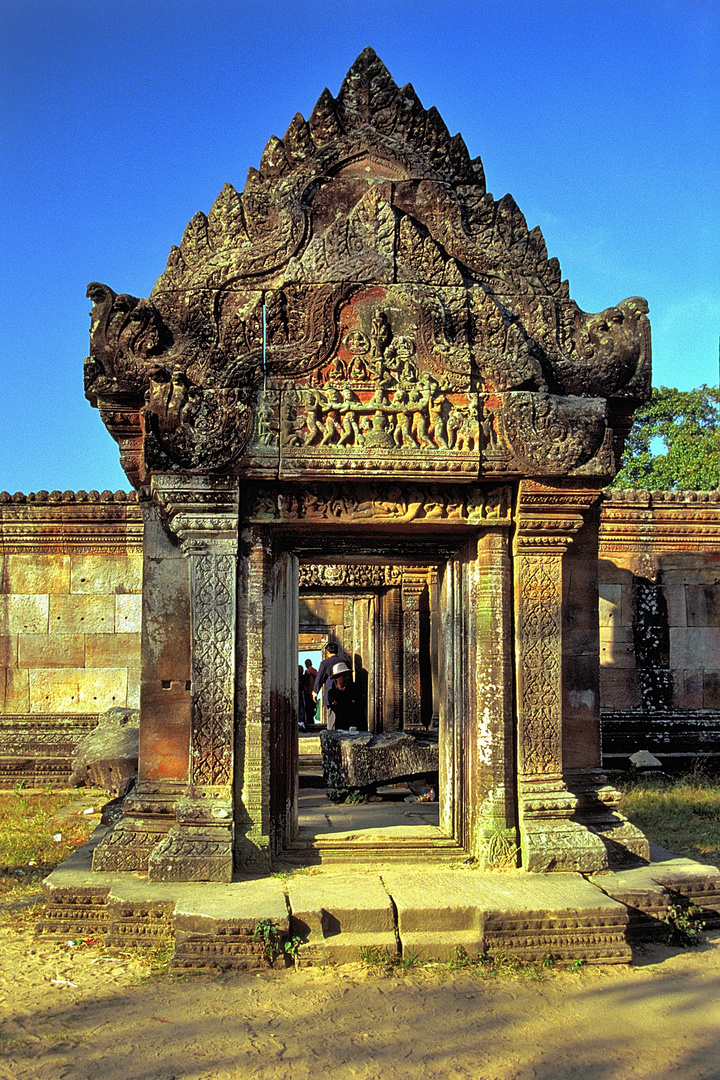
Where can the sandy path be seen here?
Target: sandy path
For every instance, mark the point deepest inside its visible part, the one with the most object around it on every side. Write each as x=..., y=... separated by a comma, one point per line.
x=656, y=1020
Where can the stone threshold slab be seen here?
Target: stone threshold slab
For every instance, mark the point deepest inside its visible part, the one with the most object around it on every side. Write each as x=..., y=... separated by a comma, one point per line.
x=399, y=909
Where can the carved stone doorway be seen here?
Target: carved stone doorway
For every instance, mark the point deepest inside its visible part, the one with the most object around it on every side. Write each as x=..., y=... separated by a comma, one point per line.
x=431, y=627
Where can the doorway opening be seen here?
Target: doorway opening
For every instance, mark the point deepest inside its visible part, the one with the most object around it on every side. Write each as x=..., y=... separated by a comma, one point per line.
x=383, y=618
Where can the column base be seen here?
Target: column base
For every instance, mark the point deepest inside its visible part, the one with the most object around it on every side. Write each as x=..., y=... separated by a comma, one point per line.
x=571, y=823
x=149, y=813
x=597, y=808
x=189, y=853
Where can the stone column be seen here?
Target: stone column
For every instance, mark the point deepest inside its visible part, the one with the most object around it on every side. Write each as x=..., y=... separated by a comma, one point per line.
x=165, y=703
x=266, y=714
x=548, y=517
x=414, y=597
x=202, y=512
x=491, y=825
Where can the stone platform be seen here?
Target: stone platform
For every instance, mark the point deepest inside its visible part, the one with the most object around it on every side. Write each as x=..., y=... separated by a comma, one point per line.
x=334, y=917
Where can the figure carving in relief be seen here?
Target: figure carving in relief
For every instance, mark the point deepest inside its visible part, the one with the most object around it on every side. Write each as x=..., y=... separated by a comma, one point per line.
x=381, y=333
x=418, y=403
x=172, y=400
x=398, y=359
x=290, y=424
x=350, y=432
x=464, y=427
x=337, y=371
x=403, y=427
x=267, y=426
x=438, y=408
x=356, y=342
x=358, y=370
x=313, y=415
x=376, y=431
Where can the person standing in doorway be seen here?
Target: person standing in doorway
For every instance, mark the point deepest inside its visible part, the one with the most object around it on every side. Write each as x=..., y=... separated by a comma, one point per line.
x=341, y=699
x=324, y=678
x=307, y=683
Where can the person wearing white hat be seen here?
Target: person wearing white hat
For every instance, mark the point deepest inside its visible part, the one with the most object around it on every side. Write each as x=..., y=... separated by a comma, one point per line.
x=342, y=706
x=324, y=677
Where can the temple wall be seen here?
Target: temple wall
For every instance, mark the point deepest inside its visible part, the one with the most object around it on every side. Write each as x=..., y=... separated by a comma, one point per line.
x=660, y=601
x=659, y=590
x=70, y=596
x=70, y=612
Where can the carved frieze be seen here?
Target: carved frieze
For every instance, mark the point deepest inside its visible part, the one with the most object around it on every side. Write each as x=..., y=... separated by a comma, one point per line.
x=363, y=303
x=348, y=575
x=373, y=505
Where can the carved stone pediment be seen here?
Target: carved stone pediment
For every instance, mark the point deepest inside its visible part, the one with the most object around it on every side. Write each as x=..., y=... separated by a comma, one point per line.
x=364, y=305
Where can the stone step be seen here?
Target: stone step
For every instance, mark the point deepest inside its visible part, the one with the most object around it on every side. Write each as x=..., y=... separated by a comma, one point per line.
x=328, y=850
x=416, y=908
x=341, y=916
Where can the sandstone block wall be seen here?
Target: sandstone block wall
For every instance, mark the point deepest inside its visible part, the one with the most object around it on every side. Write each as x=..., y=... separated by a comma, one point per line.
x=70, y=604
x=660, y=601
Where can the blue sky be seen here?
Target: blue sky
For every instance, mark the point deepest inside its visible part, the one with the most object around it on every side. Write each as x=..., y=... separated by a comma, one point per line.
x=119, y=121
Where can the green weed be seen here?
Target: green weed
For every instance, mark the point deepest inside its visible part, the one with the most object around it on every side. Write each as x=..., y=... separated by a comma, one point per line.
x=685, y=924
x=343, y=795
x=32, y=843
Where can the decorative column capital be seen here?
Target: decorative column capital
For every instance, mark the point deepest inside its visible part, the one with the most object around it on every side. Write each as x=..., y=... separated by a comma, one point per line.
x=201, y=510
x=550, y=514
x=414, y=587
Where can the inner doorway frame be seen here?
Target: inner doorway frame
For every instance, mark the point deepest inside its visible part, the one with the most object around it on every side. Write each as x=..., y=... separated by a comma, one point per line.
x=477, y=725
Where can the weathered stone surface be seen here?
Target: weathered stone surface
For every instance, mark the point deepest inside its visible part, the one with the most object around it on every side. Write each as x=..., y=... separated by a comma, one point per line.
x=362, y=355
x=51, y=650
x=361, y=760
x=337, y=920
x=76, y=690
x=24, y=614
x=128, y=614
x=96, y=574
x=82, y=614
x=108, y=757
x=36, y=573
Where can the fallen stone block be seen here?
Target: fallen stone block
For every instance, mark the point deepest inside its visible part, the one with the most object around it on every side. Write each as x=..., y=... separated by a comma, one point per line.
x=108, y=756
x=363, y=760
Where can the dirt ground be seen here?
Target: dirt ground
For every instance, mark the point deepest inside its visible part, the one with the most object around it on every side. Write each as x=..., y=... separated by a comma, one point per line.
x=69, y=1013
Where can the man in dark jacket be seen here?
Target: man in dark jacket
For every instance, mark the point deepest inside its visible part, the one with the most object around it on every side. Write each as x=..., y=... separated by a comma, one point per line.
x=324, y=678
x=341, y=699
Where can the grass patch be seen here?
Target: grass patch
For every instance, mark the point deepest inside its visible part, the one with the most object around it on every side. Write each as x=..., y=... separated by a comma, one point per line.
x=29, y=848
x=381, y=962
x=681, y=815
x=501, y=966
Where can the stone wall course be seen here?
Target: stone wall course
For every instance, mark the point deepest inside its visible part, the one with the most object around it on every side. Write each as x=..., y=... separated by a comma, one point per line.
x=36, y=573
x=8, y=650
x=82, y=614
x=51, y=650
x=112, y=650
x=24, y=614
x=128, y=613
x=702, y=604
x=694, y=647
x=70, y=576
x=16, y=691
x=78, y=690
x=96, y=574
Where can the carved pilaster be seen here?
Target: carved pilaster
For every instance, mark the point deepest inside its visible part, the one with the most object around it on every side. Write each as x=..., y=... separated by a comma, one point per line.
x=414, y=599
x=549, y=517
x=203, y=514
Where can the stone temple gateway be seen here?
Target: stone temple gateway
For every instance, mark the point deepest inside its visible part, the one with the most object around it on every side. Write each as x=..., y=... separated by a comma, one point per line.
x=364, y=373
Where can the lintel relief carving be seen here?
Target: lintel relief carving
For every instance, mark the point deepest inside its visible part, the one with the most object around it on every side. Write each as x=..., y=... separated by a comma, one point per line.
x=364, y=304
